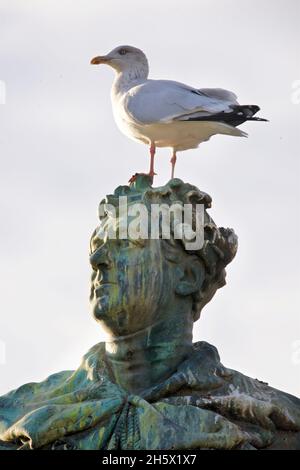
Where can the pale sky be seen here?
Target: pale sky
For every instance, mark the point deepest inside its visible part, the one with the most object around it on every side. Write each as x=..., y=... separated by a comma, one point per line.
x=61, y=152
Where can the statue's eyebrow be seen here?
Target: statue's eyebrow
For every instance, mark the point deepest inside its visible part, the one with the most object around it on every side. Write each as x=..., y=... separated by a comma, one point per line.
x=140, y=242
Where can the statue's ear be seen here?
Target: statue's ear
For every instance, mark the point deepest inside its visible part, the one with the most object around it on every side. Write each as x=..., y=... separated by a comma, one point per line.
x=192, y=278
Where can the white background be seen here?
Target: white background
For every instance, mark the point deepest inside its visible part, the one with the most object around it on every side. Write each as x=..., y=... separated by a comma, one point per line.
x=61, y=153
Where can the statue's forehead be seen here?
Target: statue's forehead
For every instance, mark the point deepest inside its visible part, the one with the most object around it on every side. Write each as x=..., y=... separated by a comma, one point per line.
x=110, y=230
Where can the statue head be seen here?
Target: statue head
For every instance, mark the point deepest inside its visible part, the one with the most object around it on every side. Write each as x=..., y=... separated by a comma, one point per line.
x=138, y=281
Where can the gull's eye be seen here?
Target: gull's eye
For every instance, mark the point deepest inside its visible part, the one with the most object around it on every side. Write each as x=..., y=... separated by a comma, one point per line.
x=122, y=51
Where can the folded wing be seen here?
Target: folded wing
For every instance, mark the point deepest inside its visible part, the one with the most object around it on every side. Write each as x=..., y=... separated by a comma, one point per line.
x=165, y=101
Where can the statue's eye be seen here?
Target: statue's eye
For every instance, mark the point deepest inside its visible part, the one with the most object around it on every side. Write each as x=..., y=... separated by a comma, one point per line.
x=122, y=51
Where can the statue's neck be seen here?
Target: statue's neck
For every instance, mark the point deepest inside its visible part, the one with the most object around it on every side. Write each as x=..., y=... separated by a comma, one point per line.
x=149, y=356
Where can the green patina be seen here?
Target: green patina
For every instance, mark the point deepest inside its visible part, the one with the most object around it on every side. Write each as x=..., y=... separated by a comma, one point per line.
x=149, y=386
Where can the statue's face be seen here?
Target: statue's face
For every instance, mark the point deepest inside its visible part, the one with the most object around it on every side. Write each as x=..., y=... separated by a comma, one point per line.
x=130, y=283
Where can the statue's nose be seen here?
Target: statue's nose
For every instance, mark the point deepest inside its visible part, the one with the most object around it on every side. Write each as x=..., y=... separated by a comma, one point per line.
x=100, y=257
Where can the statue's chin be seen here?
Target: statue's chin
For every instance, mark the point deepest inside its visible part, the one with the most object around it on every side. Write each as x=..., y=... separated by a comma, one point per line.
x=100, y=308
x=109, y=317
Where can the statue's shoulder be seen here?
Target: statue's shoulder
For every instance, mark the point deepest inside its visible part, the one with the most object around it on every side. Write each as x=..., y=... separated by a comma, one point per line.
x=235, y=383
x=15, y=401
x=247, y=400
x=31, y=389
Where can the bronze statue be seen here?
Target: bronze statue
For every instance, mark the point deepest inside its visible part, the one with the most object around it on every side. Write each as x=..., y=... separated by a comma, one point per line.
x=149, y=386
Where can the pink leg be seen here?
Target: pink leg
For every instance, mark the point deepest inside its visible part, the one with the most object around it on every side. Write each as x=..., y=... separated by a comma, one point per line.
x=151, y=170
x=173, y=162
x=152, y=154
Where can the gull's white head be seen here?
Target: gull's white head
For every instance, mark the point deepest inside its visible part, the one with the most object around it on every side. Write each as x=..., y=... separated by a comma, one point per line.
x=125, y=58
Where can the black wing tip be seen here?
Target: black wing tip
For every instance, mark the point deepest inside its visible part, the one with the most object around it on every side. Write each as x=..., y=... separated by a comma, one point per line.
x=258, y=119
x=254, y=107
x=249, y=111
x=238, y=115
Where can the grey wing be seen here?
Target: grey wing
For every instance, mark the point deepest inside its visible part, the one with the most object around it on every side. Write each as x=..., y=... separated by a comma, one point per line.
x=220, y=93
x=165, y=101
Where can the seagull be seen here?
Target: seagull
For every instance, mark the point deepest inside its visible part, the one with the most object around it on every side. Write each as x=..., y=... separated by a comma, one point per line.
x=165, y=113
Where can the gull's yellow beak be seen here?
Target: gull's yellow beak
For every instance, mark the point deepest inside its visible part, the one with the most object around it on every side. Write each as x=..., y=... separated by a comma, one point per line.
x=101, y=59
